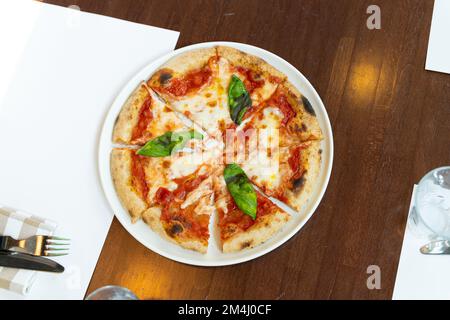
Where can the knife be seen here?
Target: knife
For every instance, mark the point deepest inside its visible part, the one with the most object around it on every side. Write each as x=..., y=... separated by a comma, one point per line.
x=20, y=260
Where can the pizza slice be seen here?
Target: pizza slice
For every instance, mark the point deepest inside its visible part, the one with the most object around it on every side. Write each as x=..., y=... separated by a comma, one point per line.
x=245, y=217
x=288, y=114
x=245, y=81
x=143, y=117
x=171, y=193
x=182, y=214
x=288, y=174
x=189, y=83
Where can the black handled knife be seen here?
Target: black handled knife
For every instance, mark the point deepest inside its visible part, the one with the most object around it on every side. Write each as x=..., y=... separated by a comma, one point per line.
x=20, y=260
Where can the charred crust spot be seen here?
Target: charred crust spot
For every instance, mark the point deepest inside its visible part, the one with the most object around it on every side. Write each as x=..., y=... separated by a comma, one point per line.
x=304, y=127
x=230, y=230
x=174, y=229
x=298, y=128
x=164, y=77
x=299, y=183
x=320, y=151
x=246, y=244
x=308, y=106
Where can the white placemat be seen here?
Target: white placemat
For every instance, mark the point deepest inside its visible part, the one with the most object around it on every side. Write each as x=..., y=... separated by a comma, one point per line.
x=438, y=56
x=421, y=276
x=61, y=70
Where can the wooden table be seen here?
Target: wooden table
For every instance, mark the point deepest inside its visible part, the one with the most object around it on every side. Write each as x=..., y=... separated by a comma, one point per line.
x=391, y=122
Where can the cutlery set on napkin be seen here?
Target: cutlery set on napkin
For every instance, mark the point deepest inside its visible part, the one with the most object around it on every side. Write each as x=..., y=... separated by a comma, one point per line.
x=25, y=241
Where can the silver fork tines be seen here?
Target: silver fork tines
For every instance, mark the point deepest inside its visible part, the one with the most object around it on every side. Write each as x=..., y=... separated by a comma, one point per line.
x=49, y=246
x=56, y=246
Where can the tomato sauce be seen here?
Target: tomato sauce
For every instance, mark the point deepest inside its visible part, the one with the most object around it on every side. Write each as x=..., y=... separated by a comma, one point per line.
x=144, y=118
x=138, y=180
x=187, y=184
x=280, y=101
x=243, y=221
x=171, y=205
x=274, y=79
x=163, y=196
x=252, y=79
x=191, y=82
x=294, y=163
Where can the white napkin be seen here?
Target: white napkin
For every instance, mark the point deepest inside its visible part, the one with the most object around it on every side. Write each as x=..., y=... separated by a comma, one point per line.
x=21, y=225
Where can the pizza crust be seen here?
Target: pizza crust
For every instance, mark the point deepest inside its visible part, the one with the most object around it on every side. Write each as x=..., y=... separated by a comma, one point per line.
x=301, y=193
x=182, y=63
x=246, y=60
x=305, y=124
x=152, y=217
x=129, y=115
x=121, y=175
x=260, y=232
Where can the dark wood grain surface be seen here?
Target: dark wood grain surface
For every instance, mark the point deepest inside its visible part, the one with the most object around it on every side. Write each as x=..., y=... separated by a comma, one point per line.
x=391, y=123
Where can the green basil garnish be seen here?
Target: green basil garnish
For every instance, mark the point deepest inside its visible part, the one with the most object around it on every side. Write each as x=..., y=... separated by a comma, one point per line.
x=241, y=189
x=238, y=99
x=168, y=143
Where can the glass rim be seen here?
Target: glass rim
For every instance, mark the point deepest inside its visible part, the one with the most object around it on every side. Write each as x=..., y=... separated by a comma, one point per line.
x=108, y=287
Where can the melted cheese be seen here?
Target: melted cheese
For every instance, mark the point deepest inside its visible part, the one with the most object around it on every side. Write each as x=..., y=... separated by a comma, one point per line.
x=262, y=159
x=222, y=195
x=263, y=170
x=271, y=118
x=186, y=163
x=203, y=108
x=155, y=178
x=205, y=206
x=261, y=94
x=164, y=119
x=203, y=190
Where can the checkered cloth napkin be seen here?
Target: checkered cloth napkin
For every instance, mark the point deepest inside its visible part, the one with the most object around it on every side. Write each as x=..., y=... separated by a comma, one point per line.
x=20, y=225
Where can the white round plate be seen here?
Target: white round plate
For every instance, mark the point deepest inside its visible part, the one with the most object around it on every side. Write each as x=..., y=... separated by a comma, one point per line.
x=141, y=232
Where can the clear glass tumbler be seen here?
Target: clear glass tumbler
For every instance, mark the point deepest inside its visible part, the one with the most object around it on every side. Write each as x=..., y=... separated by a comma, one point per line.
x=112, y=293
x=430, y=215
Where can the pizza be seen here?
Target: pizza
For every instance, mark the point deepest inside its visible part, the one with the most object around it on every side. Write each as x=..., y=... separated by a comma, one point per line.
x=239, y=230
x=215, y=134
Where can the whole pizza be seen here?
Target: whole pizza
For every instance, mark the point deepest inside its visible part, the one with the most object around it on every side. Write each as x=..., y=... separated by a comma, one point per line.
x=215, y=131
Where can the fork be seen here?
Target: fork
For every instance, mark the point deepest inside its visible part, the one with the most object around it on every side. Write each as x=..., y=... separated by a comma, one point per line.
x=48, y=246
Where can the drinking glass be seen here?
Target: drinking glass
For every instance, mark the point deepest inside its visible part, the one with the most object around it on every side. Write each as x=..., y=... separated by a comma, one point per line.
x=112, y=293
x=430, y=215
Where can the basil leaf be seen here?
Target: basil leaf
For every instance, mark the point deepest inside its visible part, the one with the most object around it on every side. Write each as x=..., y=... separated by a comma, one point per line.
x=238, y=99
x=241, y=189
x=168, y=143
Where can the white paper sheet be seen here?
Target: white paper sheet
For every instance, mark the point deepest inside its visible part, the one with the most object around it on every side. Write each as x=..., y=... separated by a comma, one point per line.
x=424, y=277
x=61, y=70
x=438, y=56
